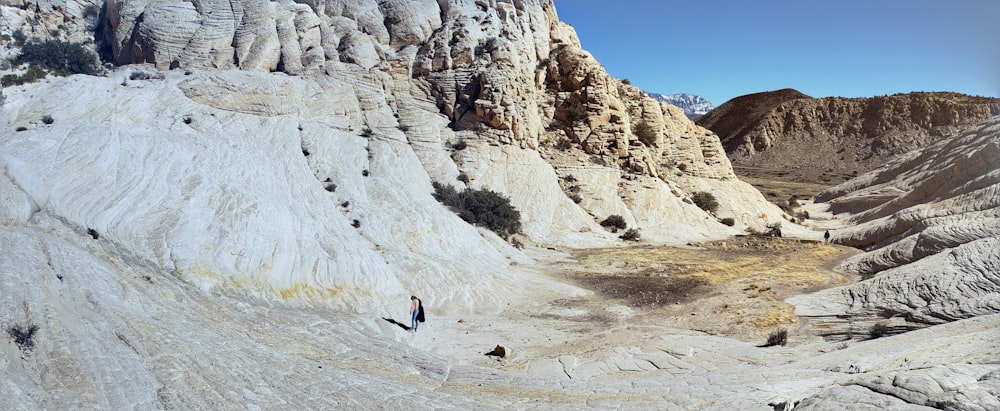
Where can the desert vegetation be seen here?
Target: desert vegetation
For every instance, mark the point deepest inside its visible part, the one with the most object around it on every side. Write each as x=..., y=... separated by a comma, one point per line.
x=631, y=234
x=485, y=208
x=645, y=133
x=51, y=57
x=779, y=337
x=614, y=223
x=705, y=200
x=23, y=335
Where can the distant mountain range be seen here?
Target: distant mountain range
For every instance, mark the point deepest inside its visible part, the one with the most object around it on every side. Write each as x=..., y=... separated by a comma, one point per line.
x=693, y=106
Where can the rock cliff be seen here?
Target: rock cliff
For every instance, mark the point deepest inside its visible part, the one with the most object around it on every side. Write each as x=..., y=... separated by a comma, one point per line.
x=927, y=222
x=225, y=220
x=836, y=136
x=359, y=106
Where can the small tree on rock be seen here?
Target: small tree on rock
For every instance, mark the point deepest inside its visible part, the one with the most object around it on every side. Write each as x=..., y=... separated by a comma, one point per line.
x=705, y=200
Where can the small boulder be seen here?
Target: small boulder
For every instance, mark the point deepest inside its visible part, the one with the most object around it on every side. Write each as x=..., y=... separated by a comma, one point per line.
x=498, y=351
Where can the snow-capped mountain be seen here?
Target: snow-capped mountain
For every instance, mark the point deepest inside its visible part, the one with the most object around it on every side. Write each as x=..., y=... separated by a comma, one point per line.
x=694, y=106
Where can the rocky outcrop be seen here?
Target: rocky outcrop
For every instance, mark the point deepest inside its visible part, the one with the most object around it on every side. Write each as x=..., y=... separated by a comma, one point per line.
x=928, y=222
x=344, y=95
x=67, y=20
x=234, y=236
x=786, y=129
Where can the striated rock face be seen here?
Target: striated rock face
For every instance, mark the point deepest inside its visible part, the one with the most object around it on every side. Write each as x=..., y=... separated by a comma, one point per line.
x=67, y=20
x=235, y=231
x=838, y=136
x=930, y=224
x=359, y=106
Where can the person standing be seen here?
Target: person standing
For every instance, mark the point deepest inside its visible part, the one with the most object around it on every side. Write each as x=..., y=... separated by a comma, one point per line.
x=415, y=308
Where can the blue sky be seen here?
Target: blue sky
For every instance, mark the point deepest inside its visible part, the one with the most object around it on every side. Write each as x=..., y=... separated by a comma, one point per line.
x=849, y=48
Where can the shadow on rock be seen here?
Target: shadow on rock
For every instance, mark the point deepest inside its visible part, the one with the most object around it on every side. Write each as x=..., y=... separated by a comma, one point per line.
x=401, y=325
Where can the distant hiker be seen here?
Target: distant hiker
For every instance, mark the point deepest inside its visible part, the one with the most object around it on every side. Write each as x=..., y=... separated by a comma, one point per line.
x=416, y=313
x=826, y=236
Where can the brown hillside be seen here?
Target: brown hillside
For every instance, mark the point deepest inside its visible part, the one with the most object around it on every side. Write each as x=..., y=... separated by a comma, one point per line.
x=821, y=140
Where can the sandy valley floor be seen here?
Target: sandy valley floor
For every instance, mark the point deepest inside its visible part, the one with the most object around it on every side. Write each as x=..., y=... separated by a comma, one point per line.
x=630, y=295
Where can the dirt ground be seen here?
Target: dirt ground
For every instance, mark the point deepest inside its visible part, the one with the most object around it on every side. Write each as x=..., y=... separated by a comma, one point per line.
x=731, y=288
x=783, y=184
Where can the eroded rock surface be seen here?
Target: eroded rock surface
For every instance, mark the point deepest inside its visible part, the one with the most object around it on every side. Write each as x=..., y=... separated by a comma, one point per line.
x=232, y=234
x=929, y=224
x=836, y=137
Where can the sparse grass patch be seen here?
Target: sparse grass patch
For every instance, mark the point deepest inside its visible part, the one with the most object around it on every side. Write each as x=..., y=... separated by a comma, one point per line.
x=777, y=315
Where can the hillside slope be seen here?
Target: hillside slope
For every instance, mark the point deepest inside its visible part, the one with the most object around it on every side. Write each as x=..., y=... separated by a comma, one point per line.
x=236, y=225
x=929, y=223
x=833, y=138
x=317, y=185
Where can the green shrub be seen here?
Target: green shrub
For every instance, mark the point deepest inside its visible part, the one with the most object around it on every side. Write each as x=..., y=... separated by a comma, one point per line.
x=879, y=329
x=728, y=221
x=645, y=133
x=47, y=119
x=705, y=200
x=576, y=198
x=564, y=144
x=484, y=208
x=576, y=112
x=614, y=223
x=60, y=56
x=460, y=145
x=19, y=37
x=630, y=235
x=33, y=74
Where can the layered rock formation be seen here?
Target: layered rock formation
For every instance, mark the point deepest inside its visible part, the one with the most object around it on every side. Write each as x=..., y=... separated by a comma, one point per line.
x=230, y=235
x=929, y=224
x=382, y=94
x=835, y=136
